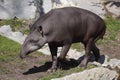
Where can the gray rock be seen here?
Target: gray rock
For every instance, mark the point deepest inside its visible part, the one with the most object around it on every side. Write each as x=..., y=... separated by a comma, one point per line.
x=18, y=8
x=92, y=5
x=92, y=74
x=114, y=63
x=16, y=36
x=112, y=8
x=47, y=5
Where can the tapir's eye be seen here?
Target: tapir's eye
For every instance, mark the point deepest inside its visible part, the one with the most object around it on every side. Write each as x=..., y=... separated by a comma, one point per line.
x=33, y=41
x=40, y=29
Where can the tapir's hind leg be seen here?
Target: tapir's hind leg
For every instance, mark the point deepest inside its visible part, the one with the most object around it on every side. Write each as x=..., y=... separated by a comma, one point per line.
x=96, y=52
x=88, y=49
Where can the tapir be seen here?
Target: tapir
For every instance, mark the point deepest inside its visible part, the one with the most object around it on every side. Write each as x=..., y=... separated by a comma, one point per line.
x=62, y=27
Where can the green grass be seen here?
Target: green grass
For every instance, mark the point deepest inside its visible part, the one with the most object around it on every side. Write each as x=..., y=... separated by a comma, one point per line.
x=26, y=31
x=9, y=54
x=8, y=49
x=78, y=46
x=62, y=73
x=113, y=27
x=15, y=24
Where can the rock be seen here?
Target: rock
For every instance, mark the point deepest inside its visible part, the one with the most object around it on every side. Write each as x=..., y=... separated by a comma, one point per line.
x=95, y=63
x=112, y=8
x=114, y=63
x=5, y=30
x=92, y=74
x=21, y=9
x=74, y=54
x=16, y=36
x=47, y=5
x=62, y=3
x=91, y=5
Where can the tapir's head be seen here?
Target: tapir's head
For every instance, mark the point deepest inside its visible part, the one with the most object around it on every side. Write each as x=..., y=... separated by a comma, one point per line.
x=34, y=41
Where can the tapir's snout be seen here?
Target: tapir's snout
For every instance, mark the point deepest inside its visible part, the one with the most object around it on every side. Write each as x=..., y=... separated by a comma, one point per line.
x=27, y=49
x=22, y=57
x=22, y=54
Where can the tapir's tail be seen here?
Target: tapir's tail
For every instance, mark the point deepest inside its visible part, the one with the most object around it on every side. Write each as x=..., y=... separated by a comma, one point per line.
x=102, y=34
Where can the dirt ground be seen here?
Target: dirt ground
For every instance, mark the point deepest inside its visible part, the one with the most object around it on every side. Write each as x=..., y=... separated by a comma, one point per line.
x=34, y=68
x=112, y=52
x=31, y=69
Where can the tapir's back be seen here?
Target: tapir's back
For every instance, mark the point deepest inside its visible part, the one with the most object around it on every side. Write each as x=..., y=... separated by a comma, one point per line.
x=71, y=24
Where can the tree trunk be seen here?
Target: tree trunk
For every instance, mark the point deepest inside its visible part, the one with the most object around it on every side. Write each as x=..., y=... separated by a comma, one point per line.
x=39, y=9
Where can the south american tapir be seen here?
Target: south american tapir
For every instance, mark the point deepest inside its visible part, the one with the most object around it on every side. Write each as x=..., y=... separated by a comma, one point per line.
x=60, y=28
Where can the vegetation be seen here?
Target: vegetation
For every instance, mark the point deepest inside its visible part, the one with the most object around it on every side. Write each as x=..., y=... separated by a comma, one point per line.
x=62, y=73
x=9, y=54
x=16, y=25
x=8, y=49
x=113, y=28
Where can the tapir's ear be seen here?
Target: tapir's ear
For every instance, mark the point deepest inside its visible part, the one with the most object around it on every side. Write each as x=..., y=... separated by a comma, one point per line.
x=40, y=30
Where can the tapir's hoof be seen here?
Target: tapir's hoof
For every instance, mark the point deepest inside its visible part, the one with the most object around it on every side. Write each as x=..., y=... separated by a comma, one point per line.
x=51, y=70
x=83, y=65
x=97, y=59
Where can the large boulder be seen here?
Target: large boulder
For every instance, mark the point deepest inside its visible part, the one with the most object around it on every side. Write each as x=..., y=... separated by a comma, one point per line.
x=99, y=73
x=91, y=5
x=112, y=8
x=16, y=36
x=21, y=9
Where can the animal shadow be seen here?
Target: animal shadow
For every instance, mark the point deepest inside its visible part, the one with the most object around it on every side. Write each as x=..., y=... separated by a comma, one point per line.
x=66, y=65
x=42, y=68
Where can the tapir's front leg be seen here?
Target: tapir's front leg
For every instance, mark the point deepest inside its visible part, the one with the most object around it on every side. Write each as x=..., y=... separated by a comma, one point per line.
x=53, y=50
x=63, y=53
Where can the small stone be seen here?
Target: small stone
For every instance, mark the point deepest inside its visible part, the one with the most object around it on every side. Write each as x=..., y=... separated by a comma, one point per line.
x=114, y=63
x=95, y=63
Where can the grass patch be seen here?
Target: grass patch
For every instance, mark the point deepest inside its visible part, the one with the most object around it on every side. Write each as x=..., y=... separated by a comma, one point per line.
x=62, y=73
x=15, y=24
x=78, y=46
x=9, y=55
x=11, y=50
x=113, y=27
x=8, y=49
x=27, y=31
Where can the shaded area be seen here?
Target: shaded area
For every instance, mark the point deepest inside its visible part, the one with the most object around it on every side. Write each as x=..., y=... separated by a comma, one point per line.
x=36, y=69
x=66, y=65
